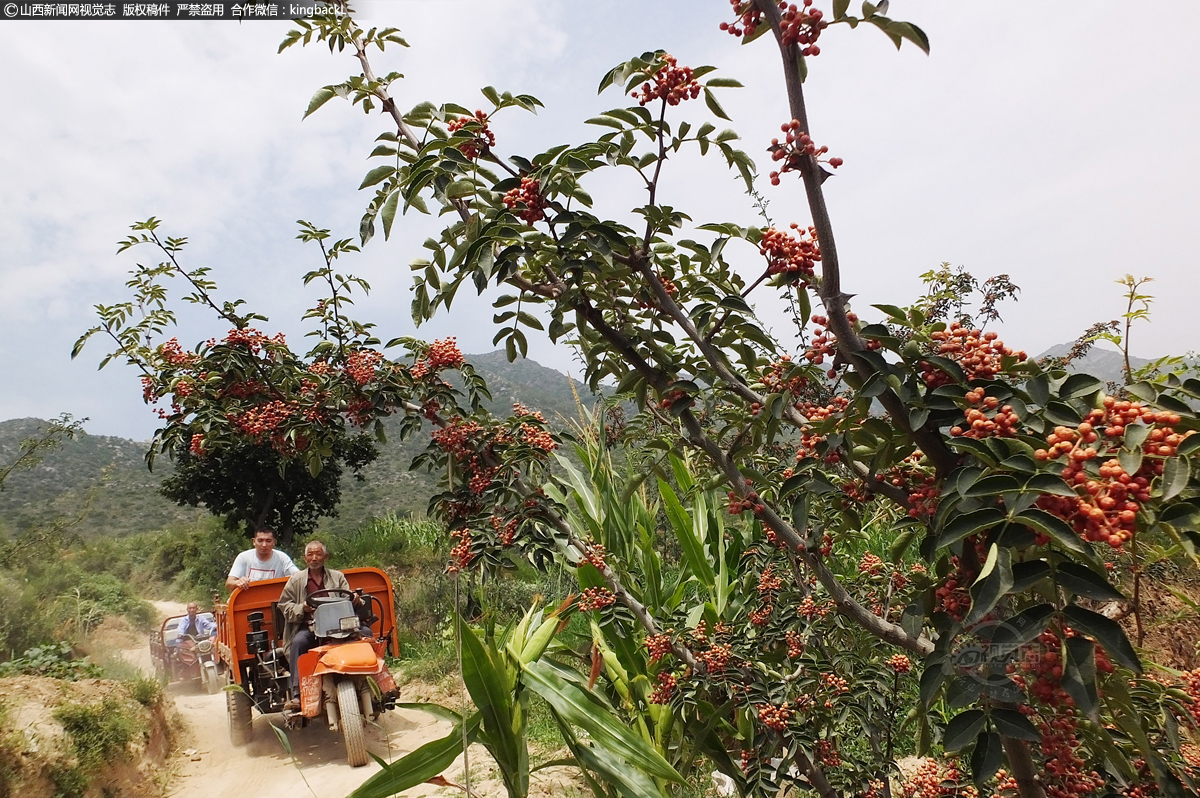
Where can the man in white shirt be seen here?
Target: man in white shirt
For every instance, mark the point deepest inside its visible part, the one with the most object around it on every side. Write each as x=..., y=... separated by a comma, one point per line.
x=260, y=562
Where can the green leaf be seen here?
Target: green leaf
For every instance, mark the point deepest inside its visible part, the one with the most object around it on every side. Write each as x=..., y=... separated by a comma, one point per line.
x=376, y=175
x=1083, y=581
x=710, y=100
x=839, y=8
x=431, y=759
x=1176, y=473
x=1107, y=632
x=1028, y=573
x=969, y=524
x=322, y=96
x=489, y=689
x=1079, y=675
x=962, y=729
x=993, y=485
x=1011, y=723
x=987, y=757
x=460, y=188
x=1057, y=529
x=692, y=546
x=388, y=213
x=994, y=582
x=723, y=83
x=1130, y=460
x=1049, y=484
x=580, y=708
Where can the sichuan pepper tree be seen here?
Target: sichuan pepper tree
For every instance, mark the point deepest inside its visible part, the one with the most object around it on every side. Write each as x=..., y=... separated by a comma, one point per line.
x=1015, y=482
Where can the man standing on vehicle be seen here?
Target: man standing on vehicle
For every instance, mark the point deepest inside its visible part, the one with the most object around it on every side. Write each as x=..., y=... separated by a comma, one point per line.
x=297, y=612
x=260, y=562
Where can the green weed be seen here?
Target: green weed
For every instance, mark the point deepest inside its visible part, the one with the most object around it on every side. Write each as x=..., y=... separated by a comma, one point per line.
x=98, y=732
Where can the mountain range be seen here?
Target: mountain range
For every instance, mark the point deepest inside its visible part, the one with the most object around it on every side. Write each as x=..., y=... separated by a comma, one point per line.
x=108, y=476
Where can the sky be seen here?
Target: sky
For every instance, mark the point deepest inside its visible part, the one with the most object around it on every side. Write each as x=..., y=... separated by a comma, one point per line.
x=1055, y=143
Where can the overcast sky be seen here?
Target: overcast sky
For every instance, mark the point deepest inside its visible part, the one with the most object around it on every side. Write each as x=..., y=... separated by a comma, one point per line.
x=1053, y=142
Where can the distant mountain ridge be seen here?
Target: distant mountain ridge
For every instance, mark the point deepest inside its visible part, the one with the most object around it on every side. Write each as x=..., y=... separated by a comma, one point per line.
x=124, y=494
x=1104, y=364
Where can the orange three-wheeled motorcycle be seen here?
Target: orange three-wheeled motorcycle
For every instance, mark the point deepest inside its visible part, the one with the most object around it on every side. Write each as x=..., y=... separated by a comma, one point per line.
x=343, y=679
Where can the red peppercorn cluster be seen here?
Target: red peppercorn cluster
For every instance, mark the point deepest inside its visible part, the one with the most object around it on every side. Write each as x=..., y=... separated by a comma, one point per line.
x=658, y=645
x=173, y=353
x=795, y=147
x=716, y=658
x=249, y=337
x=747, y=503
x=977, y=352
x=505, y=531
x=662, y=692
x=1106, y=510
x=931, y=780
x=795, y=256
x=769, y=583
x=442, y=354
x=1003, y=423
x=481, y=135
x=538, y=438
x=775, y=381
x=749, y=18
x=595, y=598
x=795, y=644
x=260, y=421
x=197, y=445
x=952, y=597
x=827, y=754
x=899, y=663
x=672, y=83
x=460, y=554
x=809, y=609
x=456, y=436
x=361, y=365
x=775, y=718
x=802, y=26
x=870, y=565
x=528, y=198
x=835, y=683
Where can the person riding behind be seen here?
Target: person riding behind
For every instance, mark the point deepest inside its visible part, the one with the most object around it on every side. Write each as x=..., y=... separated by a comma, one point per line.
x=194, y=628
x=298, y=613
x=260, y=562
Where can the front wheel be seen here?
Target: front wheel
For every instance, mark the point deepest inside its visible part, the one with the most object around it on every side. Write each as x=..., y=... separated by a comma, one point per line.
x=241, y=723
x=211, y=677
x=353, y=734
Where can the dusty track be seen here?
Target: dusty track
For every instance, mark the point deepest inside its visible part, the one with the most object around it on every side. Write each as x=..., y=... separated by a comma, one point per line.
x=264, y=768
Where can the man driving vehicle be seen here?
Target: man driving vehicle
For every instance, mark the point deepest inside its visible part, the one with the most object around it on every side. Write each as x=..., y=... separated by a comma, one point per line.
x=194, y=627
x=297, y=612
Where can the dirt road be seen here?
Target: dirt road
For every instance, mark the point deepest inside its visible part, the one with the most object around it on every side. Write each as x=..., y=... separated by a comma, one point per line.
x=264, y=768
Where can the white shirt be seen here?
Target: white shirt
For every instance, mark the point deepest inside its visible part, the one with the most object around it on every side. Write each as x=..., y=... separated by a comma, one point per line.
x=248, y=565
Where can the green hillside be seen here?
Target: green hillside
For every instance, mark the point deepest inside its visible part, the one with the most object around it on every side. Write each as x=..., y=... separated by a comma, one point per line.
x=124, y=496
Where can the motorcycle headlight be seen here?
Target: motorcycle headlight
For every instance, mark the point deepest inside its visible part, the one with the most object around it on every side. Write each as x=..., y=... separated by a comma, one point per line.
x=204, y=646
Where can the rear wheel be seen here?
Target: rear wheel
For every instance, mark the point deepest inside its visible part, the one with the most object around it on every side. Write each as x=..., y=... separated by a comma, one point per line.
x=353, y=734
x=241, y=725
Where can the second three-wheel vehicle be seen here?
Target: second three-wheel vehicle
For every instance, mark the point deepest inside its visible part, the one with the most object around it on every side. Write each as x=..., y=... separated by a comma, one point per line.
x=344, y=679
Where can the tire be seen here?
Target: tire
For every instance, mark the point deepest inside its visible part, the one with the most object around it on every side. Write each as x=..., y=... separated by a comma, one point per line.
x=211, y=678
x=353, y=734
x=241, y=726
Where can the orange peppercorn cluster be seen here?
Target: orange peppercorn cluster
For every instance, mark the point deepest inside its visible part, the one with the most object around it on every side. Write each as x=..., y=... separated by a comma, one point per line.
x=795, y=644
x=716, y=658
x=793, y=255
x=795, y=147
x=977, y=352
x=528, y=198
x=672, y=83
x=774, y=717
x=931, y=780
x=361, y=365
x=1106, y=509
x=899, y=663
x=809, y=609
x=870, y=565
x=799, y=25
x=775, y=381
x=827, y=754
x=248, y=337
x=506, y=531
x=538, y=438
x=595, y=598
x=835, y=683
x=173, y=353
x=1003, y=423
x=197, y=445
x=822, y=341
x=260, y=421
x=481, y=135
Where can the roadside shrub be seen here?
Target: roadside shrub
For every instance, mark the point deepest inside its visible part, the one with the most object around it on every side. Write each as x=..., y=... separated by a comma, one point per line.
x=98, y=732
